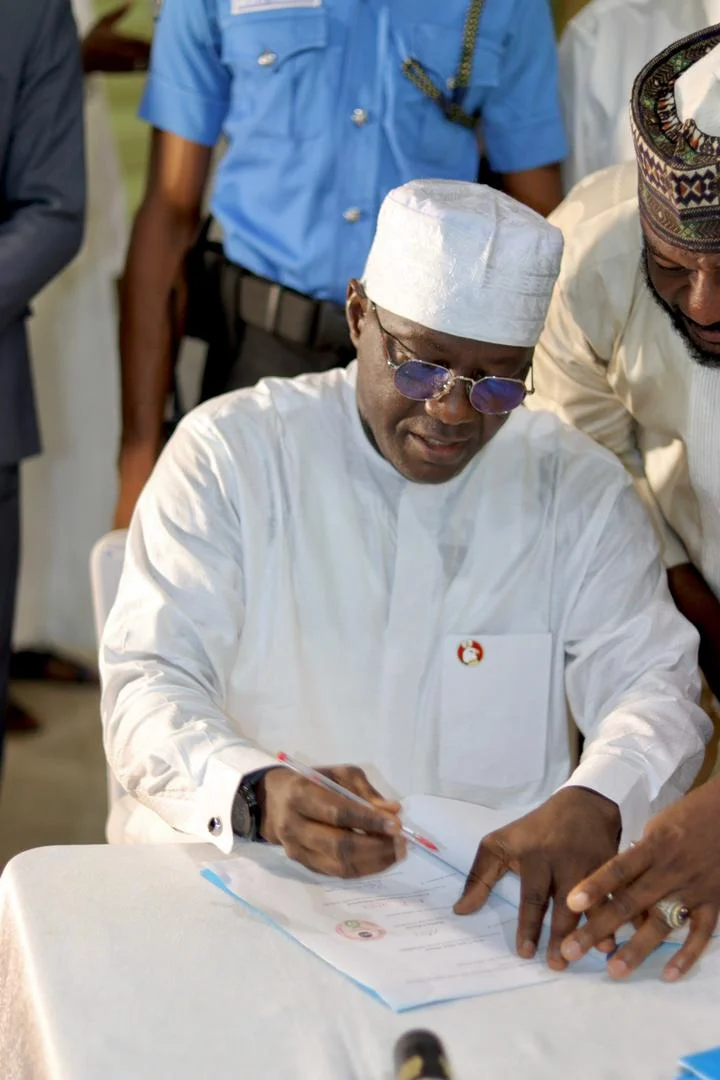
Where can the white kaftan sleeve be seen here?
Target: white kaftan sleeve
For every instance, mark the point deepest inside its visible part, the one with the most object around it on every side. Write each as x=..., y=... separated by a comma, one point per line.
x=631, y=672
x=171, y=640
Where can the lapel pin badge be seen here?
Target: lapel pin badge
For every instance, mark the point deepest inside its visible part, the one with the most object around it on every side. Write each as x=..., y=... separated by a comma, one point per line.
x=470, y=653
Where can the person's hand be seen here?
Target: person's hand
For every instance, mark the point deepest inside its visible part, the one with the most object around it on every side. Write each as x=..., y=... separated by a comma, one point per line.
x=679, y=858
x=326, y=832
x=105, y=50
x=576, y=828
x=135, y=467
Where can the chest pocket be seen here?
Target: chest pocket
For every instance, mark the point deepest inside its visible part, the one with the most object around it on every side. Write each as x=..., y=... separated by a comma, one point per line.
x=281, y=82
x=494, y=710
x=423, y=131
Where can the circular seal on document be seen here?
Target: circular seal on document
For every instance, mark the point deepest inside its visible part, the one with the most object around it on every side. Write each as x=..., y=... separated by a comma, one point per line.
x=470, y=653
x=360, y=930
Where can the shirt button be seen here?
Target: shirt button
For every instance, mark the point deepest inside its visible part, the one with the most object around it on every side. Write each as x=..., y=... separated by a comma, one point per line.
x=267, y=58
x=352, y=214
x=359, y=117
x=215, y=826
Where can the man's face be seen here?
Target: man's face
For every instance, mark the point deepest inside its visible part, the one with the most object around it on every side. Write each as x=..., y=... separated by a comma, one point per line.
x=686, y=285
x=432, y=441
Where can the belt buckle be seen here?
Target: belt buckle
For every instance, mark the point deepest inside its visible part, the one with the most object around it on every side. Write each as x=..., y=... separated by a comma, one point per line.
x=296, y=317
x=259, y=302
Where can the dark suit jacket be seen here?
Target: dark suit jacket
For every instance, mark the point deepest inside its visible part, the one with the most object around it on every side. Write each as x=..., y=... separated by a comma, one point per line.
x=42, y=188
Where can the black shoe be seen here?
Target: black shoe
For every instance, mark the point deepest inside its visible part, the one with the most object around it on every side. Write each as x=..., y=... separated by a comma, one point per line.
x=42, y=665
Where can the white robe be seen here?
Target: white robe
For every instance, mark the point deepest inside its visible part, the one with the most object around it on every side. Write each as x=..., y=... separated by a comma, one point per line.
x=69, y=490
x=286, y=589
x=602, y=50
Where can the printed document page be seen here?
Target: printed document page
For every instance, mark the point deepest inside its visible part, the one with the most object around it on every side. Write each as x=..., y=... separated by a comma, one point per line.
x=460, y=826
x=395, y=933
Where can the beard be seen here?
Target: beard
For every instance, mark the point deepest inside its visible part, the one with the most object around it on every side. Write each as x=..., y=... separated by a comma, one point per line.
x=696, y=353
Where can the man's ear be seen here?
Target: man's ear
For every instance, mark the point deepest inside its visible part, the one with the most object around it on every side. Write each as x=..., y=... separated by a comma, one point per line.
x=356, y=309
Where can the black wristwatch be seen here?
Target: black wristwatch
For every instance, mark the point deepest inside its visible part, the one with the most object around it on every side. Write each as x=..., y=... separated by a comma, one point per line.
x=245, y=808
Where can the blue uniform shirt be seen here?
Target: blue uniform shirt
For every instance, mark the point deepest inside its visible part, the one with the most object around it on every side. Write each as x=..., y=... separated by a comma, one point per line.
x=321, y=122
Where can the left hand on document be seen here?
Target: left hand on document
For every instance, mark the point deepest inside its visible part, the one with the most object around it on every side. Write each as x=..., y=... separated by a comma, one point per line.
x=326, y=832
x=551, y=849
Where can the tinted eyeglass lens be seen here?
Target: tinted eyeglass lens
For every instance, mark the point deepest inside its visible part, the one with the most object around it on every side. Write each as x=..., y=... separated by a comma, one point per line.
x=420, y=381
x=497, y=396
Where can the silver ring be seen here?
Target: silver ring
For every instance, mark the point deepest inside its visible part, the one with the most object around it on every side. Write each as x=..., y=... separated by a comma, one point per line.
x=674, y=912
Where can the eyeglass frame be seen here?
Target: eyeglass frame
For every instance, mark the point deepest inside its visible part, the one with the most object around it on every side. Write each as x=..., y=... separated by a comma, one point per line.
x=395, y=365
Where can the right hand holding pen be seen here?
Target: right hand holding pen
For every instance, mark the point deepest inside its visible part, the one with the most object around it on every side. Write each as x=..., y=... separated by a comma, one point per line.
x=324, y=831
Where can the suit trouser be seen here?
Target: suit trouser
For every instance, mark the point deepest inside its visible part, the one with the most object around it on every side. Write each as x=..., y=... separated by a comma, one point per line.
x=258, y=354
x=9, y=559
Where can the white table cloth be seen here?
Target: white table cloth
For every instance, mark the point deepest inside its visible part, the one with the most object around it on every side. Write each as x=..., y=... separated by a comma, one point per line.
x=122, y=962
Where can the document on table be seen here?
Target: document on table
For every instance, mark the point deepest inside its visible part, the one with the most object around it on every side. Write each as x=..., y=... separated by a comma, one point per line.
x=459, y=827
x=395, y=933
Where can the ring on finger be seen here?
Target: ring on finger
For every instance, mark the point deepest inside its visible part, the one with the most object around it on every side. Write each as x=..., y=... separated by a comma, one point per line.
x=673, y=911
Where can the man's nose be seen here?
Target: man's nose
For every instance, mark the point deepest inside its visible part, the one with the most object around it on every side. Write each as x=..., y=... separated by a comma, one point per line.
x=452, y=408
x=702, y=300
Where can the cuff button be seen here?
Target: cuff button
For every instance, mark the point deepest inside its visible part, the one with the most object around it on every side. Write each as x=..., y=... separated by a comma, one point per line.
x=215, y=826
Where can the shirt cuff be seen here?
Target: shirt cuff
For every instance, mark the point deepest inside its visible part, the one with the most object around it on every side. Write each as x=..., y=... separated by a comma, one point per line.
x=531, y=147
x=622, y=784
x=170, y=108
x=224, y=773
x=673, y=552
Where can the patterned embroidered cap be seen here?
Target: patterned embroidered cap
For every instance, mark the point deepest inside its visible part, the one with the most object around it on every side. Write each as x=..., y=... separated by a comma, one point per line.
x=678, y=163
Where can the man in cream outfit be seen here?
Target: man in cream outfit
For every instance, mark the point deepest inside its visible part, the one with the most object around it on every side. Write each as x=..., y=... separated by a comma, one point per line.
x=630, y=352
x=311, y=556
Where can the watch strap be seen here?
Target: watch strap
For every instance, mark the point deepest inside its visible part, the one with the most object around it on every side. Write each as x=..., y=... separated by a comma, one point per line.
x=246, y=809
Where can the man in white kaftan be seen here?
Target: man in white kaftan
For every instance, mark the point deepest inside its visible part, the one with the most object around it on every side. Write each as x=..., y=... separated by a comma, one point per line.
x=311, y=557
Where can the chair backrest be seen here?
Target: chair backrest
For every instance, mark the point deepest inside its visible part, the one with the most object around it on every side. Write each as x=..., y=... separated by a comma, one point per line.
x=106, y=563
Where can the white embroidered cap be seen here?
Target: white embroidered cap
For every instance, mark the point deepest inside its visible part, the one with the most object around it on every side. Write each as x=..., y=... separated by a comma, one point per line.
x=464, y=259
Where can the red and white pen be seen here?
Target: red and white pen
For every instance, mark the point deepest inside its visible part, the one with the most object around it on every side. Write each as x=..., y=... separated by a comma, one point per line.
x=330, y=785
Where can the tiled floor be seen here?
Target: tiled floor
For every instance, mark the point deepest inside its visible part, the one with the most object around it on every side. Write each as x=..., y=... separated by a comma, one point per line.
x=53, y=789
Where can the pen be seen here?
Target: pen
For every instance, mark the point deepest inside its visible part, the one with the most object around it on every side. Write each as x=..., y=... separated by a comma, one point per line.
x=330, y=785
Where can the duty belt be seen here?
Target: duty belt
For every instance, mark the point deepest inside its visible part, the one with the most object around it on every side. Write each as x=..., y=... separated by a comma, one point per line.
x=286, y=313
x=317, y=324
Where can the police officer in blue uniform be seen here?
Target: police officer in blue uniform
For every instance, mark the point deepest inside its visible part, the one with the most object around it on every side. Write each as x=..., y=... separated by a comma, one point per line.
x=325, y=105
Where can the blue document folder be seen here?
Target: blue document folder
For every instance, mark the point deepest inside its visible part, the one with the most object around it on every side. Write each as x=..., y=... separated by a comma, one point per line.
x=703, y=1066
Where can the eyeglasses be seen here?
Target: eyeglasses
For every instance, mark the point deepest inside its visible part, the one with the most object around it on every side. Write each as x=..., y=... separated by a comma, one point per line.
x=421, y=380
